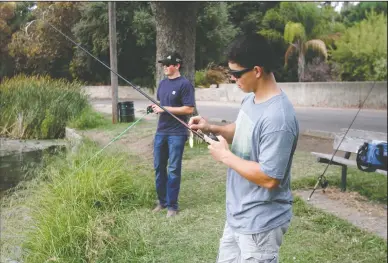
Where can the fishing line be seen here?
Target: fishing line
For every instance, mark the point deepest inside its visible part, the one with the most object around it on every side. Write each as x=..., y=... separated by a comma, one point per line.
x=198, y=133
x=322, y=179
x=112, y=141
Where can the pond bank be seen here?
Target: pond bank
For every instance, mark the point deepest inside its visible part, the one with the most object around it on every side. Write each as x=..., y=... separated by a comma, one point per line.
x=15, y=146
x=19, y=156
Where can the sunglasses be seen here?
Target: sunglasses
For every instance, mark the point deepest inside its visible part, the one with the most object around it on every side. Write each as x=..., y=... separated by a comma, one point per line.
x=238, y=73
x=169, y=64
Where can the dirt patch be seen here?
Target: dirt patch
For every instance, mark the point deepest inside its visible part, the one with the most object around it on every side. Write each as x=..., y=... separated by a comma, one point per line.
x=309, y=143
x=138, y=141
x=351, y=207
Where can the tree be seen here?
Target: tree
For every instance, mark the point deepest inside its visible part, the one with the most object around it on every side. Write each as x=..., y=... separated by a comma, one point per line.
x=176, y=31
x=39, y=49
x=316, y=22
x=356, y=13
x=247, y=16
x=12, y=16
x=214, y=32
x=7, y=12
x=135, y=43
x=362, y=51
x=295, y=35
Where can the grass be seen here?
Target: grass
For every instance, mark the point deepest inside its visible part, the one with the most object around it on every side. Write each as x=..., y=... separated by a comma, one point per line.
x=315, y=236
x=39, y=107
x=371, y=185
x=73, y=207
x=68, y=225
x=87, y=119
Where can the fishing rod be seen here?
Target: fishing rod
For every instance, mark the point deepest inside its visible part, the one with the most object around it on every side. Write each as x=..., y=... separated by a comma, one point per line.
x=322, y=179
x=198, y=133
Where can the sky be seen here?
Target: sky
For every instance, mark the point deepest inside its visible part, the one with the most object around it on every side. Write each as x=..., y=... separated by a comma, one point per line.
x=339, y=5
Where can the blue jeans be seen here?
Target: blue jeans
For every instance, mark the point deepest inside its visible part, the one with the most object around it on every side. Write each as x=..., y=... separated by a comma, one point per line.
x=168, y=148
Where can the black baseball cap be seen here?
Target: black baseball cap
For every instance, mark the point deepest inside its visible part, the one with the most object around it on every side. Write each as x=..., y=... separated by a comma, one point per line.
x=171, y=58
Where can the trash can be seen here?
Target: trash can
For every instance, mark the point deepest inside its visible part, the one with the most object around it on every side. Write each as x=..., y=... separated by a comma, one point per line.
x=126, y=111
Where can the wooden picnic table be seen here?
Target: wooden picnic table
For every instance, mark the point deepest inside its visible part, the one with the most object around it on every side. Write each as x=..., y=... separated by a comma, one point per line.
x=350, y=144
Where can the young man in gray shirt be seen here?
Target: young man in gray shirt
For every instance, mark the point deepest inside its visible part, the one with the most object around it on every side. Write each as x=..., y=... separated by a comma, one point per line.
x=263, y=138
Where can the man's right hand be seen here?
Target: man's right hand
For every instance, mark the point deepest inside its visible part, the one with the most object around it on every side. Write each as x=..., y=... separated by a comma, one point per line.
x=199, y=123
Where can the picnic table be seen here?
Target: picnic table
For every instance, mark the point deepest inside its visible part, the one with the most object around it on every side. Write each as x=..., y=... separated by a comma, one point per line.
x=350, y=144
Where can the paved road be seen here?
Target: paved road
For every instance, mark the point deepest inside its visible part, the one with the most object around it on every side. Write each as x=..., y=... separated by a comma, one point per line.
x=320, y=119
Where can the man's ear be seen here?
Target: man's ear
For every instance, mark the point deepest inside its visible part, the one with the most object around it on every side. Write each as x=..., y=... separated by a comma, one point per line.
x=258, y=71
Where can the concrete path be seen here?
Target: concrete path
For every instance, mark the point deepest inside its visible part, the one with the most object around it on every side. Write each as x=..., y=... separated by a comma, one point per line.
x=310, y=119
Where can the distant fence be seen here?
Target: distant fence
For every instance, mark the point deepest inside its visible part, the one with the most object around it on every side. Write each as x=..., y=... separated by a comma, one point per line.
x=309, y=94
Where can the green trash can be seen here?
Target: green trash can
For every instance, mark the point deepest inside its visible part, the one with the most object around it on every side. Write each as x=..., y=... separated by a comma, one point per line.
x=126, y=111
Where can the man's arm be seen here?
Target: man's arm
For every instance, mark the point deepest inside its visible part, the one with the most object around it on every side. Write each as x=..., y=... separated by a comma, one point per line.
x=226, y=131
x=187, y=99
x=273, y=156
x=183, y=110
x=250, y=170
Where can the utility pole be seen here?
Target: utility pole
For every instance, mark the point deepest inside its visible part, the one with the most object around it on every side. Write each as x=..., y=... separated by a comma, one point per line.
x=113, y=58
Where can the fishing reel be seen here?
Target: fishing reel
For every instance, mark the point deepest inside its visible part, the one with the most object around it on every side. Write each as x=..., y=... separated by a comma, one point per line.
x=213, y=137
x=324, y=183
x=191, y=137
x=149, y=109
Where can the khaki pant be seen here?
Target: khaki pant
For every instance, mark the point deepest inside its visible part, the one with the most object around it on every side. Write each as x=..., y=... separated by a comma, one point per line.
x=256, y=248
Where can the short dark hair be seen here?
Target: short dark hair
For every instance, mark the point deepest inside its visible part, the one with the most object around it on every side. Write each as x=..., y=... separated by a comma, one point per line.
x=252, y=50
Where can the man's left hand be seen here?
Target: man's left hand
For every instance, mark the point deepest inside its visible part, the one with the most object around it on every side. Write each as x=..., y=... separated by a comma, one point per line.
x=219, y=150
x=157, y=109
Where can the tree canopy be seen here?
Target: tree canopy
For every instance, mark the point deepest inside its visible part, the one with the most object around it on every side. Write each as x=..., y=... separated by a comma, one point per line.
x=349, y=45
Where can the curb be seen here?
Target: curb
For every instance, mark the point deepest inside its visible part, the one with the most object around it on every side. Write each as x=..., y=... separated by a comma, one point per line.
x=73, y=138
x=318, y=134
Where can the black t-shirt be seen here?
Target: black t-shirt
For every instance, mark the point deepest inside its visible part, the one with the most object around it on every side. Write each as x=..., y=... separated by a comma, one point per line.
x=174, y=93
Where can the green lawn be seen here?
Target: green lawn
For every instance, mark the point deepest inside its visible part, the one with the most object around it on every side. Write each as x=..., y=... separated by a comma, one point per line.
x=125, y=230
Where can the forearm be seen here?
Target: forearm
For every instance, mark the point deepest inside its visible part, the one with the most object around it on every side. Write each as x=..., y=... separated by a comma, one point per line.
x=226, y=131
x=183, y=110
x=250, y=170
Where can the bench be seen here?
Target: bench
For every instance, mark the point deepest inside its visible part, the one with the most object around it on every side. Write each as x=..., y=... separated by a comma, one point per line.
x=350, y=144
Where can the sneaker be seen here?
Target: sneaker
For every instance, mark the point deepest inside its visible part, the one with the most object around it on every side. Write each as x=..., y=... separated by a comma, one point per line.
x=158, y=208
x=171, y=213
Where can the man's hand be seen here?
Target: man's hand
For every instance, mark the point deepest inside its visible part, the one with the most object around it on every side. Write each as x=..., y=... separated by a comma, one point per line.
x=199, y=123
x=157, y=109
x=219, y=150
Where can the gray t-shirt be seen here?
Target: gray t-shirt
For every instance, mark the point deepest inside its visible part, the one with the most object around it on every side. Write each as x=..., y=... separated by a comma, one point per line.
x=266, y=133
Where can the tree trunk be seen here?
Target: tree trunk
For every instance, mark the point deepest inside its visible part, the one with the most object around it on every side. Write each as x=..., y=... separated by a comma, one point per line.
x=176, y=31
x=301, y=61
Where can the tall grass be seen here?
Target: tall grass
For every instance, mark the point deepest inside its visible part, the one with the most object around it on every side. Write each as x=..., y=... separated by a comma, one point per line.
x=75, y=212
x=38, y=107
x=88, y=119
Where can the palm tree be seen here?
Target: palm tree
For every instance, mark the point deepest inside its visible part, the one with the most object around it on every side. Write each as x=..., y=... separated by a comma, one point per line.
x=295, y=35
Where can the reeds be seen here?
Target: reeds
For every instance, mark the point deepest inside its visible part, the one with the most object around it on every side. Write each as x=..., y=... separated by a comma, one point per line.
x=38, y=107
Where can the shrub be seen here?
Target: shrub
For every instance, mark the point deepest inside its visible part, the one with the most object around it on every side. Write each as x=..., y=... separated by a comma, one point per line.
x=200, y=78
x=87, y=119
x=211, y=75
x=214, y=76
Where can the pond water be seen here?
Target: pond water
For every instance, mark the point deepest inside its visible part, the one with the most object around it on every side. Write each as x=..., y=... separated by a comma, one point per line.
x=18, y=165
